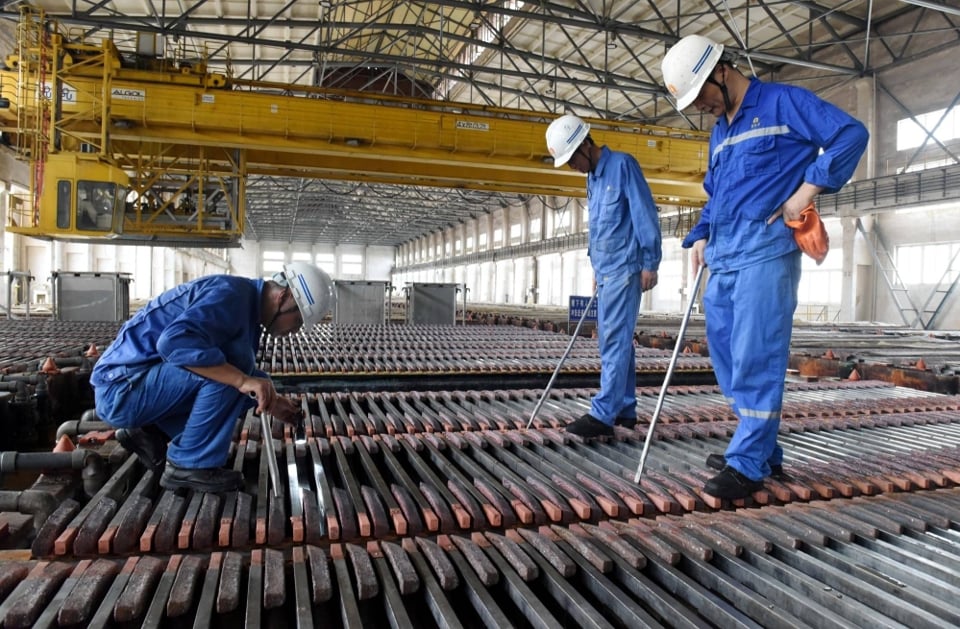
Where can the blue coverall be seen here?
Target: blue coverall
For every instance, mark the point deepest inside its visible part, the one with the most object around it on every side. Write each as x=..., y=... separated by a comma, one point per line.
x=141, y=378
x=624, y=240
x=757, y=162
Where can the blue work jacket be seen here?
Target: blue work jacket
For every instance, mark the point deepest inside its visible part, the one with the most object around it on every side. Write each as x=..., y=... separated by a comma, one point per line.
x=202, y=323
x=758, y=160
x=624, y=227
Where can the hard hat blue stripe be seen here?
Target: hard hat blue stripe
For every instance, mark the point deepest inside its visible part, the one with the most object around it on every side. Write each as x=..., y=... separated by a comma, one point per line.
x=574, y=134
x=703, y=59
x=306, y=290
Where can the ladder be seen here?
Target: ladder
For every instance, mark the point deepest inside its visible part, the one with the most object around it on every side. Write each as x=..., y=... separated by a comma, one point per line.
x=888, y=270
x=941, y=292
x=35, y=85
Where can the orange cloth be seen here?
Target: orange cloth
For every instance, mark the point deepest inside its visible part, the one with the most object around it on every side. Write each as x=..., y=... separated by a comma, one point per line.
x=810, y=234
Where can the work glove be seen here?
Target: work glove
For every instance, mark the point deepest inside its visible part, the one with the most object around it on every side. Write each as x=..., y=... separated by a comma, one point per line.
x=810, y=234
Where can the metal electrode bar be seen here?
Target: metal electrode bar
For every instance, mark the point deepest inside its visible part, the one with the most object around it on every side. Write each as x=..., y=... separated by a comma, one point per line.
x=666, y=379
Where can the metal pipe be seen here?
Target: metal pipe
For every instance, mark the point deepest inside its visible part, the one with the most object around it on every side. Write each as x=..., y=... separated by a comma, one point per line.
x=76, y=427
x=20, y=461
x=666, y=379
x=556, y=371
x=39, y=504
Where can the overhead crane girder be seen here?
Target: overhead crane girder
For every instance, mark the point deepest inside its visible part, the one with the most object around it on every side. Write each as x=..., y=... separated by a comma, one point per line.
x=132, y=117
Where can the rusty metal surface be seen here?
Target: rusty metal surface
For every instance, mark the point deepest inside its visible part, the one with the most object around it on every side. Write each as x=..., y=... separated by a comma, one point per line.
x=886, y=560
x=381, y=350
x=437, y=509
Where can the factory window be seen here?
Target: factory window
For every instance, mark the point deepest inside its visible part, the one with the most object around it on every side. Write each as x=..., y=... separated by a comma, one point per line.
x=327, y=262
x=301, y=256
x=458, y=245
x=820, y=288
x=469, y=243
x=927, y=264
x=910, y=134
x=534, y=229
x=497, y=237
x=95, y=205
x=272, y=262
x=482, y=242
x=351, y=264
x=64, y=200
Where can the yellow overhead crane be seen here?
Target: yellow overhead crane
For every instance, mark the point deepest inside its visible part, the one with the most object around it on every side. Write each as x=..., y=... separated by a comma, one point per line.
x=158, y=153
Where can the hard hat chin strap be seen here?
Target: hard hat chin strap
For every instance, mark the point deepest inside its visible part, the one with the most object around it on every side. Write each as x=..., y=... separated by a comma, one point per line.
x=280, y=312
x=588, y=154
x=727, y=103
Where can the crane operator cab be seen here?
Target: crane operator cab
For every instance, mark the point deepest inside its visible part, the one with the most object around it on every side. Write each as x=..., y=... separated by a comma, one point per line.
x=81, y=198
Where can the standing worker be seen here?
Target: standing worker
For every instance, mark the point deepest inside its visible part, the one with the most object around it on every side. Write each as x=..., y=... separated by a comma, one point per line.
x=624, y=249
x=773, y=149
x=184, y=368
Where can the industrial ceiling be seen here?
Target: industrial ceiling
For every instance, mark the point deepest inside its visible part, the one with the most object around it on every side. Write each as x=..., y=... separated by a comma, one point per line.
x=594, y=58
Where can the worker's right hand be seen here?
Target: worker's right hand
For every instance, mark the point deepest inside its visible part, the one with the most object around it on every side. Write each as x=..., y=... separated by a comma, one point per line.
x=286, y=411
x=262, y=389
x=697, y=254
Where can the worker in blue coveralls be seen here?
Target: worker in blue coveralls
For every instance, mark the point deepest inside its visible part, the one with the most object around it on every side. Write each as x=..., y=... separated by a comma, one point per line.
x=772, y=150
x=183, y=369
x=624, y=249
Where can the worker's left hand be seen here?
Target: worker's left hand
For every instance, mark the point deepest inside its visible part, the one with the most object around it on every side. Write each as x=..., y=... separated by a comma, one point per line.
x=286, y=411
x=648, y=279
x=790, y=211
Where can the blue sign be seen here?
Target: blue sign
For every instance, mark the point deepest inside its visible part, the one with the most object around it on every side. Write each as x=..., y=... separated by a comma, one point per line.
x=578, y=303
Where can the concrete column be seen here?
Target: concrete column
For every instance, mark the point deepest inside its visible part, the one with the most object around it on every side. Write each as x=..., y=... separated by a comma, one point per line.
x=4, y=208
x=865, y=275
x=576, y=216
x=525, y=222
x=507, y=220
x=866, y=90
x=848, y=290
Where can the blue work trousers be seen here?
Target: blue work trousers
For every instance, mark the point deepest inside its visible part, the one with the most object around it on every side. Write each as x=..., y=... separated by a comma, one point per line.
x=618, y=303
x=749, y=317
x=198, y=414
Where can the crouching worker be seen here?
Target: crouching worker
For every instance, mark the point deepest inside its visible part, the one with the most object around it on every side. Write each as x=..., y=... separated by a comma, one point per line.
x=183, y=369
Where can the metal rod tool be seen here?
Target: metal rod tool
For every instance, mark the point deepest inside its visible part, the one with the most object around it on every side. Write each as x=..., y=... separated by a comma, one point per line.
x=556, y=371
x=666, y=379
x=271, y=455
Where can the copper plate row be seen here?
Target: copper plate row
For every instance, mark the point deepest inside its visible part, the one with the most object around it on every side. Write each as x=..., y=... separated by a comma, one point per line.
x=880, y=561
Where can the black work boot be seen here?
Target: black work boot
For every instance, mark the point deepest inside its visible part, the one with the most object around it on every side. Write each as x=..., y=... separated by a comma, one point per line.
x=589, y=427
x=148, y=443
x=731, y=484
x=213, y=480
x=626, y=422
x=718, y=462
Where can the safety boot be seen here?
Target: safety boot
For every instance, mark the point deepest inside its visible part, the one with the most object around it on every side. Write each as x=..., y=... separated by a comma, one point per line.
x=731, y=484
x=213, y=480
x=589, y=427
x=149, y=443
x=718, y=462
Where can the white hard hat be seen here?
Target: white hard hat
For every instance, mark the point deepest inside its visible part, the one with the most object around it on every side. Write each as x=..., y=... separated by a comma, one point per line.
x=687, y=66
x=312, y=289
x=564, y=136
